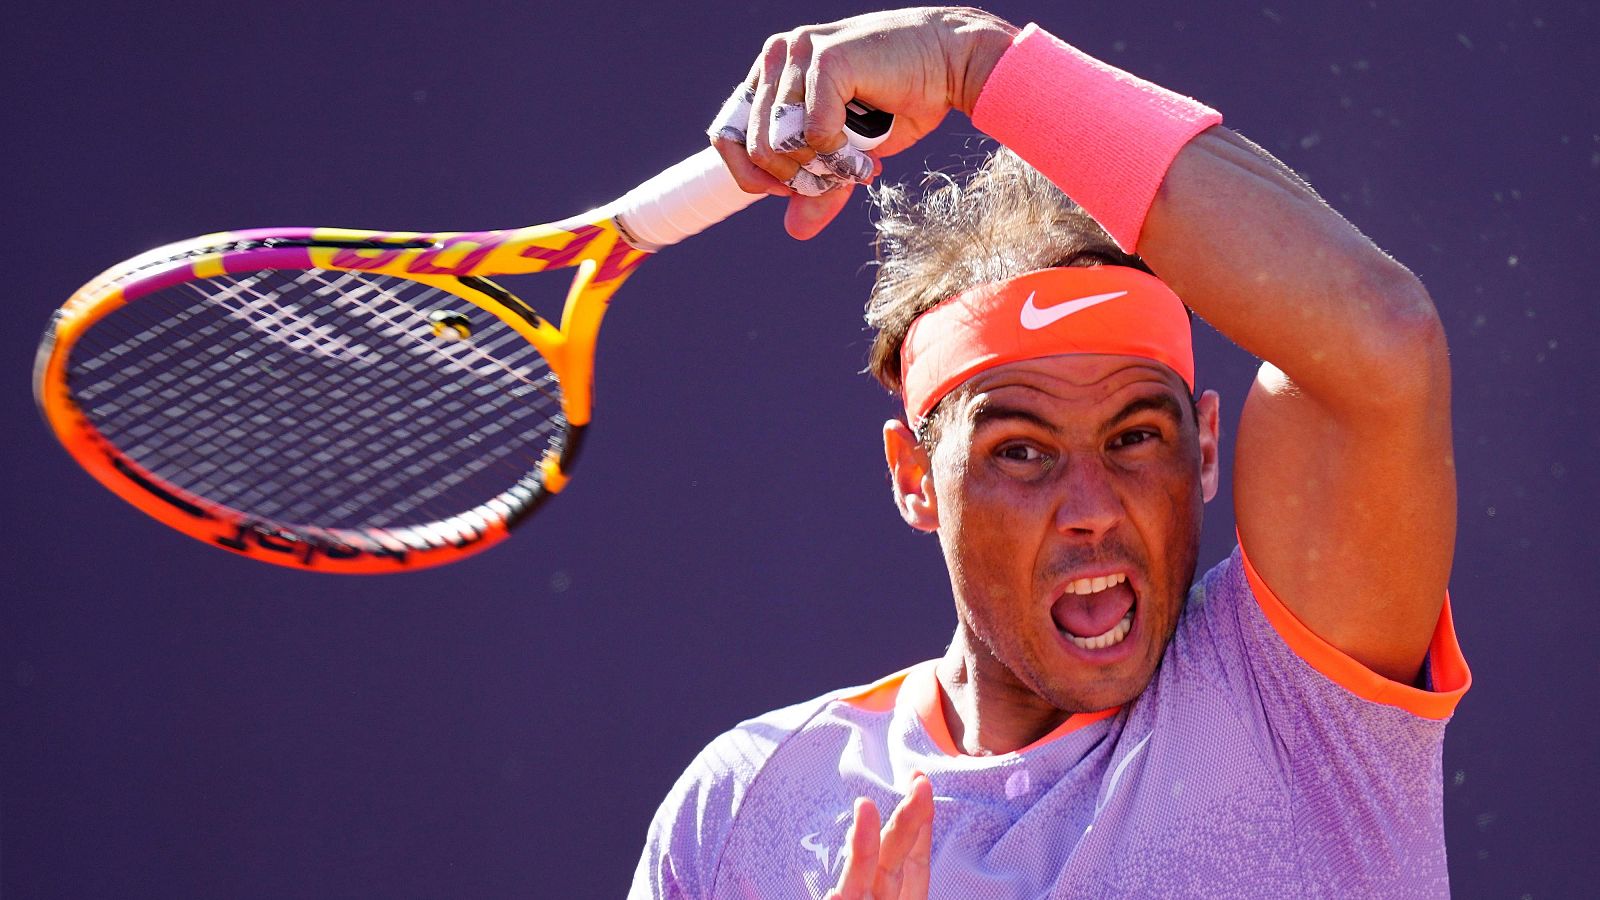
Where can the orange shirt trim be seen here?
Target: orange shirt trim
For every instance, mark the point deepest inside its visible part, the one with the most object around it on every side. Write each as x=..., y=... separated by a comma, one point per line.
x=1448, y=667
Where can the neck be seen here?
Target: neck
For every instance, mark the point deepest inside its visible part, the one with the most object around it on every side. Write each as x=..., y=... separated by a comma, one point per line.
x=987, y=709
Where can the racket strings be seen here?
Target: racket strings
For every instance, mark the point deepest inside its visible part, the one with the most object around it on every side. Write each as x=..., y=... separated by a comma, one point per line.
x=318, y=397
x=227, y=396
x=392, y=427
x=180, y=451
x=268, y=486
x=350, y=290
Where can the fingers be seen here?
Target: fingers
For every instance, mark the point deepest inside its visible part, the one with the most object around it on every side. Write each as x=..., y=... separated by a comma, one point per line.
x=758, y=133
x=727, y=133
x=828, y=158
x=914, y=880
x=824, y=101
x=910, y=831
x=729, y=123
x=862, y=864
x=814, y=124
x=786, y=124
x=914, y=873
x=892, y=864
x=782, y=133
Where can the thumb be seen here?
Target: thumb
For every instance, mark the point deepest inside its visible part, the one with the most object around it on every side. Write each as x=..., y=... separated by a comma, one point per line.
x=807, y=216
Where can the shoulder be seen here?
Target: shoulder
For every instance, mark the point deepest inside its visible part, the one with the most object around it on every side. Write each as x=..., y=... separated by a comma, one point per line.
x=691, y=828
x=734, y=759
x=1235, y=627
x=739, y=755
x=1355, y=754
x=1240, y=655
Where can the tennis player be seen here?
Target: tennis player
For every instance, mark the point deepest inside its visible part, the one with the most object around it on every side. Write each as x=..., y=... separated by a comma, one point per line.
x=1101, y=724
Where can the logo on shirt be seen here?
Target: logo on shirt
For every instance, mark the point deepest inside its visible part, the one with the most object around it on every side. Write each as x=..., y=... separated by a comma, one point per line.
x=1034, y=318
x=822, y=843
x=830, y=859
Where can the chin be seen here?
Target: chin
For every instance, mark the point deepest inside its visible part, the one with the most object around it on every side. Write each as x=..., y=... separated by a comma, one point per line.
x=1104, y=695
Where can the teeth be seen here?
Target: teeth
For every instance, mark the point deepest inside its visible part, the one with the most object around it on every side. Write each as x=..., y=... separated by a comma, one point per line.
x=1095, y=585
x=1111, y=638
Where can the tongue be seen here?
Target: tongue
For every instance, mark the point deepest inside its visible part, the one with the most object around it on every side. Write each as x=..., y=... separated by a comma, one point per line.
x=1087, y=615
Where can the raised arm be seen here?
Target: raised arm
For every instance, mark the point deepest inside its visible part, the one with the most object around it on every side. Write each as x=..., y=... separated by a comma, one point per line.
x=1344, y=483
x=1344, y=486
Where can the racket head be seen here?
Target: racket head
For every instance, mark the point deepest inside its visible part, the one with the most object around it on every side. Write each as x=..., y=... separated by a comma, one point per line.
x=294, y=395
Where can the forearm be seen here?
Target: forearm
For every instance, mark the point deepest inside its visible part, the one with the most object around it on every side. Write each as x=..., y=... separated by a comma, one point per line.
x=1242, y=239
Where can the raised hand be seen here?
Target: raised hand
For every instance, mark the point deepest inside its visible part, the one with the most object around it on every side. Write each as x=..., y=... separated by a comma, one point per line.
x=891, y=864
x=917, y=64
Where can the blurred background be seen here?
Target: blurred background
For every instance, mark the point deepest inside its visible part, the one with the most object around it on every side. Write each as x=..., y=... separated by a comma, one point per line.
x=177, y=721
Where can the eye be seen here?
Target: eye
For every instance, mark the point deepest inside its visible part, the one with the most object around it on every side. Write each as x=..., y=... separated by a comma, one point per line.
x=1134, y=437
x=1023, y=453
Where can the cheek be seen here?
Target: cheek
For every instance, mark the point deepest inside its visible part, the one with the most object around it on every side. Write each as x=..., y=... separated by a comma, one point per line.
x=1168, y=489
x=1163, y=503
x=996, y=519
x=985, y=528
x=982, y=542
x=985, y=494
x=1170, y=504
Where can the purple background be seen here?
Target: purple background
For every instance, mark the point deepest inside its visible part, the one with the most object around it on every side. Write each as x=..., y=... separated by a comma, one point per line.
x=183, y=723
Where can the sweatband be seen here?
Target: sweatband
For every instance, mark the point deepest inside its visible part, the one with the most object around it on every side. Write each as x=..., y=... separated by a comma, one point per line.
x=1103, y=136
x=1074, y=309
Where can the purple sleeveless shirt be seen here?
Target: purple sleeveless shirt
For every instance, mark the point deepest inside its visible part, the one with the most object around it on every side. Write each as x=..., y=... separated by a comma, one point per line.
x=1259, y=762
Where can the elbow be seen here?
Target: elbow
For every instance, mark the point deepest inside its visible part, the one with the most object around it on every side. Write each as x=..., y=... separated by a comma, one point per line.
x=1405, y=359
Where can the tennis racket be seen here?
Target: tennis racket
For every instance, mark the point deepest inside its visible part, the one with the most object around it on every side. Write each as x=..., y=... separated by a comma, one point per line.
x=353, y=401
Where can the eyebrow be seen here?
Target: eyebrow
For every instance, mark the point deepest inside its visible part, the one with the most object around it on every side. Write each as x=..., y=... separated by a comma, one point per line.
x=998, y=412
x=1157, y=403
x=1162, y=404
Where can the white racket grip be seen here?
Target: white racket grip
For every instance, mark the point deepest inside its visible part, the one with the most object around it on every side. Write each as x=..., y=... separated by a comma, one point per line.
x=684, y=200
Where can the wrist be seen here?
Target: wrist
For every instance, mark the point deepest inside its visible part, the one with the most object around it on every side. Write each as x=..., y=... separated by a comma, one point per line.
x=980, y=38
x=1102, y=135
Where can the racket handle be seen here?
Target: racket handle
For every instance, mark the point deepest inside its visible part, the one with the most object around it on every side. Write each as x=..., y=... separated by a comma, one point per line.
x=684, y=200
x=698, y=193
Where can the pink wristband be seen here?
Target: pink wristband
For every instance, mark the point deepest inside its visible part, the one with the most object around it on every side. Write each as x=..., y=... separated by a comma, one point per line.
x=1105, y=137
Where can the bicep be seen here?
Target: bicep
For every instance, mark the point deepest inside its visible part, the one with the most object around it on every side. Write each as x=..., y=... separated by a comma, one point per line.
x=1348, y=514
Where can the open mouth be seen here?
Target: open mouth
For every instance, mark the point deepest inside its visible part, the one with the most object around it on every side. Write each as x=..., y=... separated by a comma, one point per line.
x=1095, y=613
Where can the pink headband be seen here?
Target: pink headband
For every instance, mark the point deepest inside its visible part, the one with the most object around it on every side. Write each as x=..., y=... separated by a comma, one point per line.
x=1076, y=309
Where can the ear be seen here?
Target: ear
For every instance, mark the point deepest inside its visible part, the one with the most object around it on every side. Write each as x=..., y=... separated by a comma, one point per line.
x=910, y=476
x=1209, y=412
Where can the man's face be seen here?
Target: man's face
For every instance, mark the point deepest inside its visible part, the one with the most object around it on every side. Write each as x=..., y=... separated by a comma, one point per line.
x=1068, y=503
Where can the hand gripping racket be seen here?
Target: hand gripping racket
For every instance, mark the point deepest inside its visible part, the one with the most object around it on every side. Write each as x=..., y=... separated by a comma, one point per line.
x=353, y=401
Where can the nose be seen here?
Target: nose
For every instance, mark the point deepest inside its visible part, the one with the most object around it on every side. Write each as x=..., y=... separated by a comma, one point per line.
x=1088, y=504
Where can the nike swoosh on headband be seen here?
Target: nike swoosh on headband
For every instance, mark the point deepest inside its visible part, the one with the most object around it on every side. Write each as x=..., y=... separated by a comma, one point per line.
x=1034, y=318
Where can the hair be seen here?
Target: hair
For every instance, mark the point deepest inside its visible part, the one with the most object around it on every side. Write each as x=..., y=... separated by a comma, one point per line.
x=1001, y=220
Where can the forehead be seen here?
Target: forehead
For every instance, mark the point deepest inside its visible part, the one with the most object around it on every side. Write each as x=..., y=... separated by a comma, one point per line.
x=1069, y=386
